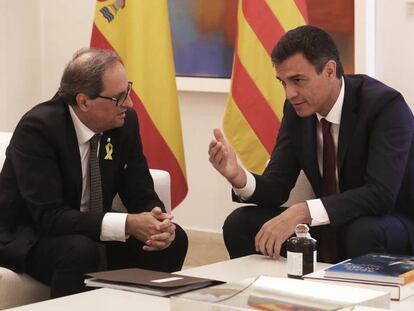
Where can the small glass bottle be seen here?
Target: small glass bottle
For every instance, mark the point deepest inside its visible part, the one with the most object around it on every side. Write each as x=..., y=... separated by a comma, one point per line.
x=301, y=253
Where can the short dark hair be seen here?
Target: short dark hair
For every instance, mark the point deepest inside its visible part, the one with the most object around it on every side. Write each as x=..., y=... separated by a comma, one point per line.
x=316, y=45
x=86, y=76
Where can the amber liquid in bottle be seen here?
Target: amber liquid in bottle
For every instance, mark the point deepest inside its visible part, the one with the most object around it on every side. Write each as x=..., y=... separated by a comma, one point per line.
x=301, y=253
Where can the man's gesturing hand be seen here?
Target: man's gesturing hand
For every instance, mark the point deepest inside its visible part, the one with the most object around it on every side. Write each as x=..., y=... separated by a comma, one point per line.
x=224, y=160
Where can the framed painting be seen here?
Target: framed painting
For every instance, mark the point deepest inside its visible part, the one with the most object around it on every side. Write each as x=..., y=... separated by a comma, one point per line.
x=204, y=31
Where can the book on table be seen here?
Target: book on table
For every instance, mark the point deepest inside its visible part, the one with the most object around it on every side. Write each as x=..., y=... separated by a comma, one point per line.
x=396, y=291
x=147, y=281
x=272, y=293
x=385, y=268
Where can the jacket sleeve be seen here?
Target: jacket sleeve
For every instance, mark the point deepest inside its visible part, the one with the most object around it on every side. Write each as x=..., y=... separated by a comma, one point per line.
x=274, y=185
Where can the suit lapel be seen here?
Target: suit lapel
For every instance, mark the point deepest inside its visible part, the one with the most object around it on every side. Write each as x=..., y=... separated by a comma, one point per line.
x=349, y=119
x=108, y=159
x=73, y=156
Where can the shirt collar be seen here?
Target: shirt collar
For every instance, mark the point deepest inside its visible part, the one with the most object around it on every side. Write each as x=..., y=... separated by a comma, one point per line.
x=334, y=115
x=83, y=133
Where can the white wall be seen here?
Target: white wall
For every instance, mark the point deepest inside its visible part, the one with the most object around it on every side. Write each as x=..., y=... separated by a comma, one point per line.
x=209, y=198
x=20, y=59
x=66, y=26
x=395, y=47
x=38, y=37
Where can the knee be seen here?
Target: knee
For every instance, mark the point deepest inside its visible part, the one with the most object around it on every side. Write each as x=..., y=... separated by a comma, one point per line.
x=234, y=222
x=180, y=241
x=80, y=252
x=362, y=236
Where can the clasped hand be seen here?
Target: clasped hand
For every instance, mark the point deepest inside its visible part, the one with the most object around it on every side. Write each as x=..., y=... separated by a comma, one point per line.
x=154, y=228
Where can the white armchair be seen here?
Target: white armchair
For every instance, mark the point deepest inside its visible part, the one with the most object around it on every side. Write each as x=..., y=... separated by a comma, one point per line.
x=17, y=289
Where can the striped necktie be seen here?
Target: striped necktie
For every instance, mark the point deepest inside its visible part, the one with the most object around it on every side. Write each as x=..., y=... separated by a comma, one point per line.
x=95, y=203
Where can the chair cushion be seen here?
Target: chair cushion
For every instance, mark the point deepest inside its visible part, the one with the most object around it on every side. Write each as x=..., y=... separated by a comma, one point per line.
x=301, y=192
x=19, y=289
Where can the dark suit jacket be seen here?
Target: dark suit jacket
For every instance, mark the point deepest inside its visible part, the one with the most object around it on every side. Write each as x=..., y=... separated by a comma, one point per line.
x=41, y=180
x=375, y=156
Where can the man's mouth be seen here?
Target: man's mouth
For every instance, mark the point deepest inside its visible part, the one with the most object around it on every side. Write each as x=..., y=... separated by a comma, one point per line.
x=298, y=104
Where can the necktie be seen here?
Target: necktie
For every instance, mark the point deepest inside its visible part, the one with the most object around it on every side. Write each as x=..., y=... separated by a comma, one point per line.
x=329, y=161
x=327, y=239
x=95, y=204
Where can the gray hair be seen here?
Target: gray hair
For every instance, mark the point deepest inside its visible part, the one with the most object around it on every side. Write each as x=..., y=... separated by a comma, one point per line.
x=85, y=76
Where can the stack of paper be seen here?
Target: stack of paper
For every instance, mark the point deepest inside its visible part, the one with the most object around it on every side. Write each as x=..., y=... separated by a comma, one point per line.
x=269, y=293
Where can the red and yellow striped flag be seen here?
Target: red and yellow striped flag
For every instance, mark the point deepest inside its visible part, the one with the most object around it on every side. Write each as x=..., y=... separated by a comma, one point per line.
x=255, y=105
x=139, y=32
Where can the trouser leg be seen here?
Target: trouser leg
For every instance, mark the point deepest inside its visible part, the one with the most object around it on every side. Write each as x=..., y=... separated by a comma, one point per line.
x=374, y=234
x=61, y=262
x=241, y=227
x=130, y=254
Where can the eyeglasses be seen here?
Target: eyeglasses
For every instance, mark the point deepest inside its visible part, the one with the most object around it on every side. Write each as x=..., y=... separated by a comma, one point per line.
x=121, y=98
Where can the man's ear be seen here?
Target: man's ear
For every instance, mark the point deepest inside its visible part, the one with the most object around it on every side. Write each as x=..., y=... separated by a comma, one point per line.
x=82, y=100
x=330, y=68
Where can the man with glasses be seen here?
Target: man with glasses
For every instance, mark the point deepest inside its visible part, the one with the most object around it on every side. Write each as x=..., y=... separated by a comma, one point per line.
x=67, y=160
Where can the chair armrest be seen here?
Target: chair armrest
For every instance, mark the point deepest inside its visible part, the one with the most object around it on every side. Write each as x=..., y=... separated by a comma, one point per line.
x=162, y=186
x=4, y=143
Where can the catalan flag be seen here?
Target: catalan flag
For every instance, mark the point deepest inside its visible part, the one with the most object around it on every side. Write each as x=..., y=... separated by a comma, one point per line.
x=255, y=105
x=139, y=31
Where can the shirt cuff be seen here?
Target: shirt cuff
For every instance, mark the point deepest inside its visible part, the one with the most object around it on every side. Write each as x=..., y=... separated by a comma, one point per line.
x=113, y=227
x=247, y=191
x=318, y=213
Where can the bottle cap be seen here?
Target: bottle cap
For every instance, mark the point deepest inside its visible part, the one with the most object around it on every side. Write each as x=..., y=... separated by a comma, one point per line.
x=302, y=231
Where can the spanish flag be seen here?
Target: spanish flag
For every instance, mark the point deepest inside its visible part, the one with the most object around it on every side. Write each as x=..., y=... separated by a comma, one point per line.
x=255, y=105
x=139, y=31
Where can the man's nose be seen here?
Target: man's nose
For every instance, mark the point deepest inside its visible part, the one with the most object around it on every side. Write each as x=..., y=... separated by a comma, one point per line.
x=127, y=102
x=290, y=92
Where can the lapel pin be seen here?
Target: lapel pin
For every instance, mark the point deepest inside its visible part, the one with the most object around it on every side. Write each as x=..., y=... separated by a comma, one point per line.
x=109, y=149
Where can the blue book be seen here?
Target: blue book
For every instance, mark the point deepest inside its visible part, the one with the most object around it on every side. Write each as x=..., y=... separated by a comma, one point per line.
x=385, y=268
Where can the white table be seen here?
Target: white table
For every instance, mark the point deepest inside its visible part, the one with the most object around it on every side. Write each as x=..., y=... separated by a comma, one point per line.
x=228, y=271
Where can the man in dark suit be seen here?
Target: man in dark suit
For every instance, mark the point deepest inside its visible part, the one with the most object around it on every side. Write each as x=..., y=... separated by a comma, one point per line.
x=353, y=138
x=48, y=227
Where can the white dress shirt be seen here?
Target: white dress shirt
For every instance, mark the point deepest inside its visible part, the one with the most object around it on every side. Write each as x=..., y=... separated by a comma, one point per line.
x=113, y=224
x=316, y=209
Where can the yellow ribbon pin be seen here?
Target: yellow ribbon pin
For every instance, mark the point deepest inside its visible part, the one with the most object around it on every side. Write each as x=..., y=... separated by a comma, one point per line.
x=109, y=149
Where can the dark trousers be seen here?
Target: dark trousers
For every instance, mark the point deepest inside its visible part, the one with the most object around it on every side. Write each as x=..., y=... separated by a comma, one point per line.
x=62, y=261
x=361, y=236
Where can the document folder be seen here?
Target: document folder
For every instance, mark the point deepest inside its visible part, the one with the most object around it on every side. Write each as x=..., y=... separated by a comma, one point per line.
x=147, y=281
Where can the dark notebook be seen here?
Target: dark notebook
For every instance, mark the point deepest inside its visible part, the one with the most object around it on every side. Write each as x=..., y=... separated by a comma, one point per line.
x=147, y=281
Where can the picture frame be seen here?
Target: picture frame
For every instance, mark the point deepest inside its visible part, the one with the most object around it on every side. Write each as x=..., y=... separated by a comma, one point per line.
x=364, y=53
